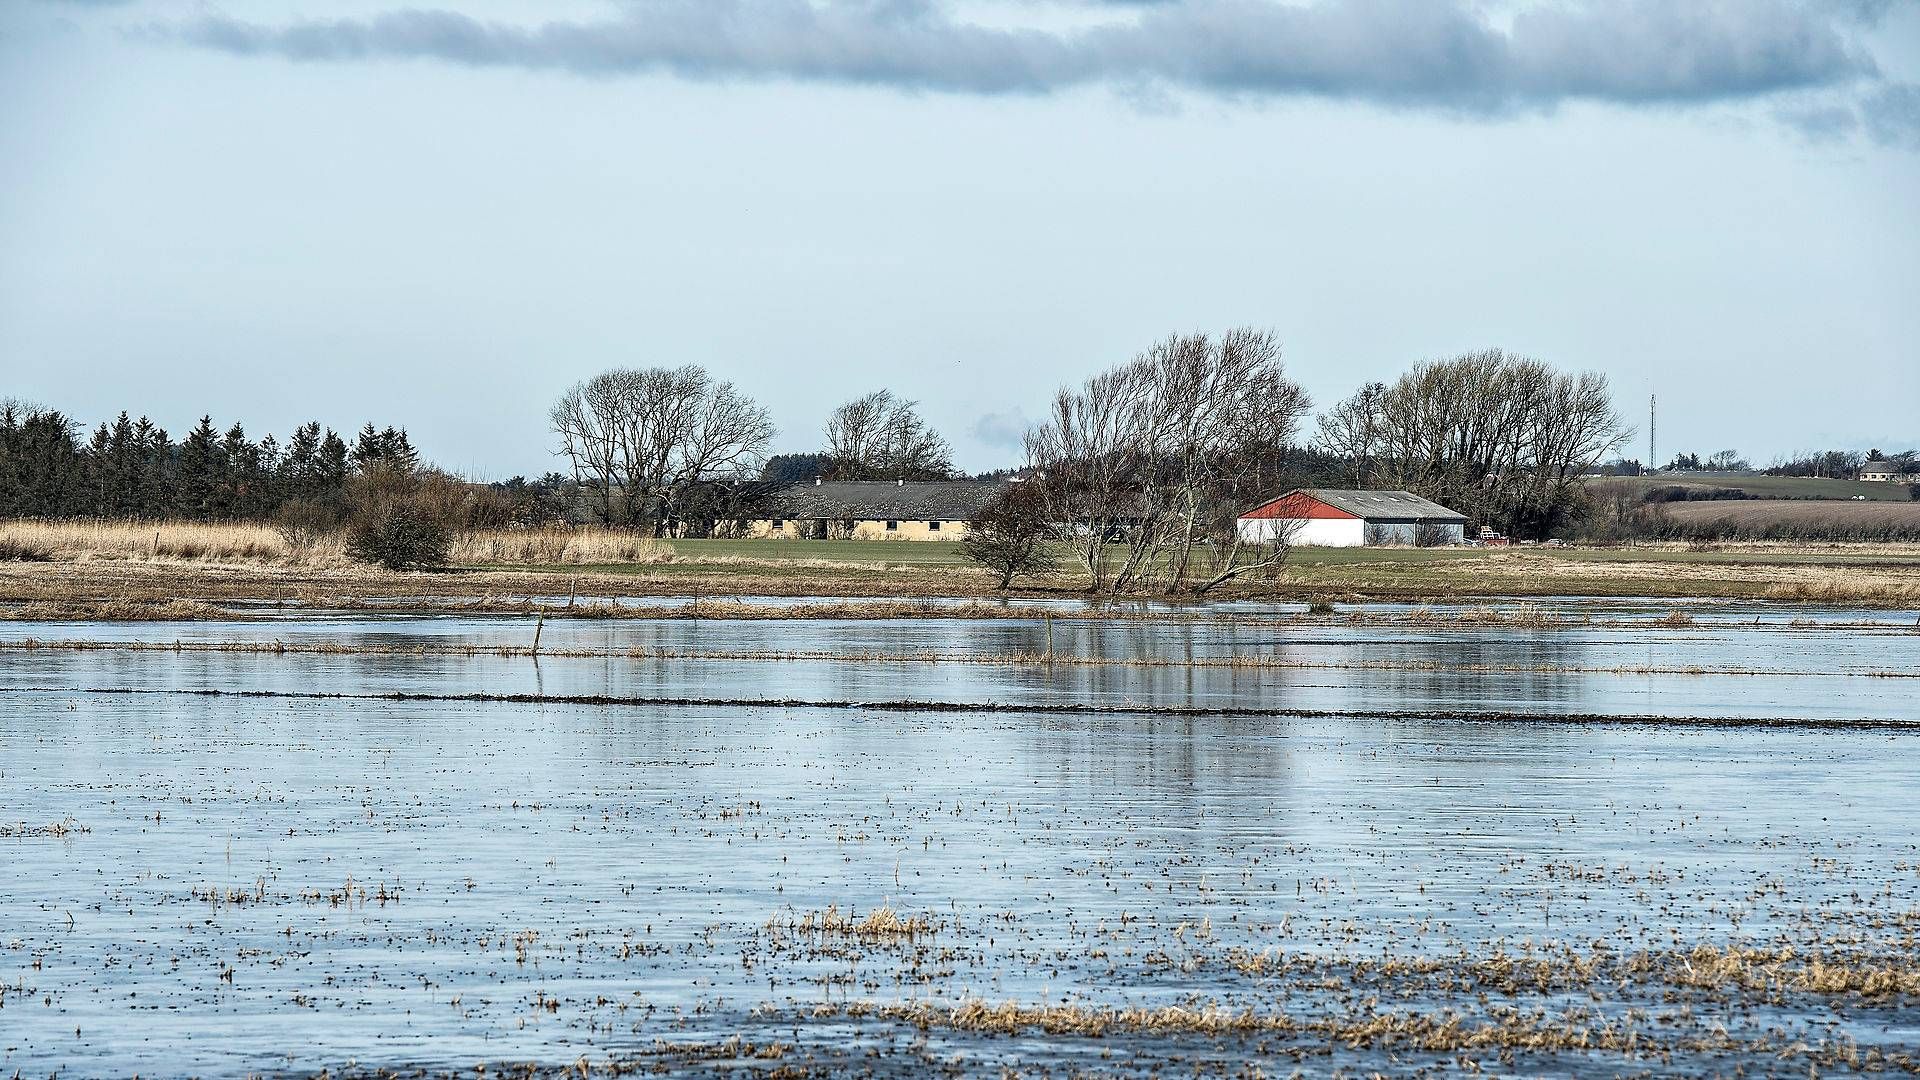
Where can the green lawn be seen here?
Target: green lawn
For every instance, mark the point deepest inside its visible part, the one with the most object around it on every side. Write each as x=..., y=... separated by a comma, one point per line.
x=891, y=552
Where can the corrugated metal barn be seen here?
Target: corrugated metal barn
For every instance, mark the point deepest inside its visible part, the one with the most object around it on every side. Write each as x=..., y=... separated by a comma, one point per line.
x=1326, y=517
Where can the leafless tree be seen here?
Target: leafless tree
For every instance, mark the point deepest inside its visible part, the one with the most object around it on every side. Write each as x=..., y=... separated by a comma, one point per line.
x=1503, y=439
x=1347, y=429
x=1145, y=468
x=879, y=436
x=1007, y=536
x=641, y=440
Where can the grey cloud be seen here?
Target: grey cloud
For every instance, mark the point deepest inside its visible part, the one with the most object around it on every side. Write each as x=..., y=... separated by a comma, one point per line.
x=1442, y=54
x=1821, y=123
x=1892, y=115
x=1000, y=429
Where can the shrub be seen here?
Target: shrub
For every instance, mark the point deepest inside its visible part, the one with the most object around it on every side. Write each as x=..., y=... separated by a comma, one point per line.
x=1007, y=536
x=399, y=533
x=301, y=523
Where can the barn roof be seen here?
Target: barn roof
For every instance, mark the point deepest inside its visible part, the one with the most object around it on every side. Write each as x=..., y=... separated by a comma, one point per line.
x=1384, y=506
x=885, y=500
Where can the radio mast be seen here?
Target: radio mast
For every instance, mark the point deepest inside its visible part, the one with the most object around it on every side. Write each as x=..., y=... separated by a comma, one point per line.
x=1653, y=459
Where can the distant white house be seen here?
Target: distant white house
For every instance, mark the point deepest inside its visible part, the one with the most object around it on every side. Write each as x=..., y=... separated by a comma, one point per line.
x=1880, y=470
x=1326, y=517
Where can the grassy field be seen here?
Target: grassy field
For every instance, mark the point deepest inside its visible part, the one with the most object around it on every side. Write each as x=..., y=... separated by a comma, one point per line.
x=1762, y=512
x=1764, y=487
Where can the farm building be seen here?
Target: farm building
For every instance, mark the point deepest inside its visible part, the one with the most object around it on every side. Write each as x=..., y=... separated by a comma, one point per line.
x=1324, y=517
x=874, y=510
x=1883, y=471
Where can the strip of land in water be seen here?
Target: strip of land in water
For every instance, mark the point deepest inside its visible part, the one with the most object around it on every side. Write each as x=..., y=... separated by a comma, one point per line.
x=168, y=573
x=1489, y=716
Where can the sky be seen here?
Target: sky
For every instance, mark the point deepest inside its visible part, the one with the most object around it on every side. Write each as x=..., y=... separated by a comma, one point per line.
x=439, y=214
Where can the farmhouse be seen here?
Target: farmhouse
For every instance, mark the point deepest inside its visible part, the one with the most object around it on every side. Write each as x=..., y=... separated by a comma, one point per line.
x=1883, y=471
x=874, y=510
x=1325, y=517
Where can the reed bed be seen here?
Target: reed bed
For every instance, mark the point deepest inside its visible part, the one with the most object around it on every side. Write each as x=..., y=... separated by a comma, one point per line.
x=255, y=543
x=1842, y=591
x=558, y=547
x=183, y=541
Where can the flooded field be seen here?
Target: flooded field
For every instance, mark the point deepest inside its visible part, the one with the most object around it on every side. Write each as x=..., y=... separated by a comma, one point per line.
x=1233, y=841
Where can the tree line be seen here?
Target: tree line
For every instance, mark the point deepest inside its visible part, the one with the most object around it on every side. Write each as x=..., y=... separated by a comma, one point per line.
x=1138, y=474
x=676, y=452
x=134, y=468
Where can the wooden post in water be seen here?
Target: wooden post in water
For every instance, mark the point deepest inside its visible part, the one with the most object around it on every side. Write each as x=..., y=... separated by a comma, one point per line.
x=539, y=625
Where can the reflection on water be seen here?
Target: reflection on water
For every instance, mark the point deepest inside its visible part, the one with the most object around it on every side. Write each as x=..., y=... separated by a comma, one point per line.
x=441, y=883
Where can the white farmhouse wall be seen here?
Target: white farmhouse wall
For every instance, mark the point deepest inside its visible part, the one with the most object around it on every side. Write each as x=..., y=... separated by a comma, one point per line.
x=1311, y=532
x=1341, y=532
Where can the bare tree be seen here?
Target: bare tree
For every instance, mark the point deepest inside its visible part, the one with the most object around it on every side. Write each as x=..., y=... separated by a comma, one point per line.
x=1008, y=535
x=879, y=436
x=641, y=440
x=1145, y=468
x=1503, y=439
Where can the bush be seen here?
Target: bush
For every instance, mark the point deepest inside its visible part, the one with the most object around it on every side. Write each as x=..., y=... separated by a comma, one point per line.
x=301, y=523
x=1007, y=536
x=399, y=534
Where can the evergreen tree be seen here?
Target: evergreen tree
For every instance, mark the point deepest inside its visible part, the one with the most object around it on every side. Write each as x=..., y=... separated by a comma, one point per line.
x=332, y=473
x=267, y=474
x=239, y=494
x=397, y=451
x=300, y=469
x=153, y=454
x=99, y=479
x=197, y=488
x=123, y=469
x=367, y=449
x=42, y=465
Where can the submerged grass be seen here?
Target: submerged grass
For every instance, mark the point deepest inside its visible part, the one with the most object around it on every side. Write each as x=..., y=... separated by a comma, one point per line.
x=56, y=829
x=1503, y=1029
x=880, y=923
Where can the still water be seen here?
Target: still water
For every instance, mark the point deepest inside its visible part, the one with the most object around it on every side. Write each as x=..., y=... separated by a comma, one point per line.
x=285, y=883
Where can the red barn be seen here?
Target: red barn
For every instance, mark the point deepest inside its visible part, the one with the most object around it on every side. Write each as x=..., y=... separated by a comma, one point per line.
x=1326, y=517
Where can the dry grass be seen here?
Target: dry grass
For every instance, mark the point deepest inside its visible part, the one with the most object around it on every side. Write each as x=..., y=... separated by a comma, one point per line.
x=882, y=923
x=170, y=540
x=1523, y=616
x=1844, y=591
x=23, y=549
x=113, y=610
x=555, y=547
x=251, y=542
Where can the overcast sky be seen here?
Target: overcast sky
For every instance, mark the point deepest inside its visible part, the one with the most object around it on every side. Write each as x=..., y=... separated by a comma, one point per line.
x=441, y=215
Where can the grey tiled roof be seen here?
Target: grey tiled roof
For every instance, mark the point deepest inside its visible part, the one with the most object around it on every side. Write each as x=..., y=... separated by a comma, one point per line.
x=1393, y=506
x=885, y=500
